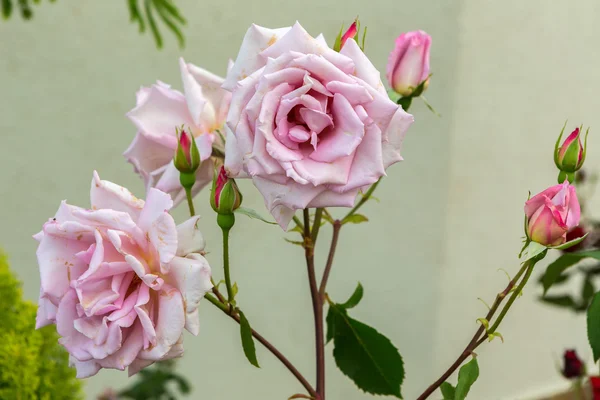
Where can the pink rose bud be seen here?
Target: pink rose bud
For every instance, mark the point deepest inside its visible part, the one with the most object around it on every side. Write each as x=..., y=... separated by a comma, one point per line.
x=569, y=157
x=226, y=197
x=350, y=34
x=408, y=64
x=551, y=214
x=187, y=157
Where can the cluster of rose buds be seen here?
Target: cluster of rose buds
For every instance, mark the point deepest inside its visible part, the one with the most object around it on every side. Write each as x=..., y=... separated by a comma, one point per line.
x=554, y=214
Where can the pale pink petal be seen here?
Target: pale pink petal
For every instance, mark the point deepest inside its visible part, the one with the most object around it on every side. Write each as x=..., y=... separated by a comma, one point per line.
x=344, y=138
x=192, y=277
x=162, y=111
x=534, y=203
x=85, y=369
x=364, y=68
x=248, y=59
x=147, y=155
x=298, y=40
x=170, y=322
x=189, y=237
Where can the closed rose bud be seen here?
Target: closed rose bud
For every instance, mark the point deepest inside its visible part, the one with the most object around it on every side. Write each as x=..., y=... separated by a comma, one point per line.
x=187, y=157
x=573, y=367
x=569, y=157
x=226, y=196
x=551, y=214
x=408, y=64
x=350, y=34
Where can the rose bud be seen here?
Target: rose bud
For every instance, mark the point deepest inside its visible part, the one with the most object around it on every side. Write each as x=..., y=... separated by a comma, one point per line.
x=569, y=156
x=226, y=196
x=187, y=158
x=408, y=64
x=350, y=34
x=573, y=367
x=551, y=214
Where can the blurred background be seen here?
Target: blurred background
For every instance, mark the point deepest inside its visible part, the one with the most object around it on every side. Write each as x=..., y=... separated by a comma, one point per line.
x=506, y=75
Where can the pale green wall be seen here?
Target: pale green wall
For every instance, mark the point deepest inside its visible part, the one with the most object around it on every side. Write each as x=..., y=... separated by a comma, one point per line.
x=505, y=76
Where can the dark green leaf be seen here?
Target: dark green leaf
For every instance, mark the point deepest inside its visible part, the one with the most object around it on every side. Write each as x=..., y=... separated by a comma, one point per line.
x=152, y=23
x=355, y=219
x=354, y=299
x=588, y=290
x=556, y=268
x=593, y=325
x=26, y=12
x=6, y=8
x=166, y=16
x=247, y=340
x=467, y=375
x=364, y=355
x=135, y=16
x=253, y=214
x=447, y=391
x=564, y=301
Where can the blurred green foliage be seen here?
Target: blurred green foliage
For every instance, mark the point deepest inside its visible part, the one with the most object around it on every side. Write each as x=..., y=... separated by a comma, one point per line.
x=144, y=13
x=33, y=366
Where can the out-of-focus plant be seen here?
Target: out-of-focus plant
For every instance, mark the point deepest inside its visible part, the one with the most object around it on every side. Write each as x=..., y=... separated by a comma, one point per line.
x=144, y=13
x=32, y=364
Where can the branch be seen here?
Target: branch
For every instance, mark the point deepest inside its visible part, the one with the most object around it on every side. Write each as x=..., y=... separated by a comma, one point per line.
x=228, y=310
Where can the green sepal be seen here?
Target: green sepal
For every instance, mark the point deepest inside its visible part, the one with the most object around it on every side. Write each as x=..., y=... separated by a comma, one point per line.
x=557, y=147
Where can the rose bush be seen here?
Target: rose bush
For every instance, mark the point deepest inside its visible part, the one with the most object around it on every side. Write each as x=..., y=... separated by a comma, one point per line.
x=309, y=125
x=120, y=281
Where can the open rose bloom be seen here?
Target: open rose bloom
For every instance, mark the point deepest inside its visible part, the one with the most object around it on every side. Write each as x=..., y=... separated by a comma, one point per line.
x=552, y=213
x=120, y=280
x=160, y=111
x=309, y=125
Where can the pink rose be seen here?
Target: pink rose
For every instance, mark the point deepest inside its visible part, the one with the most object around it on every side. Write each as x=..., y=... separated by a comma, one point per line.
x=311, y=126
x=160, y=110
x=551, y=214
x=120, y=281
x=408, y=64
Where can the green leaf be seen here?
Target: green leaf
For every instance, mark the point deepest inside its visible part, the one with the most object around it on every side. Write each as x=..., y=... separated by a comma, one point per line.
x=355, y=219
x=447, y=391
x=593, y=326
x=165, y=14
x=555, y=269
x=364, y=355
x=247, y=340
x=588, y=290
x=152, y=23
x=6, y=8
x=253, y=214
x=467, y=375
x=564, y=301
x=354, y=299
